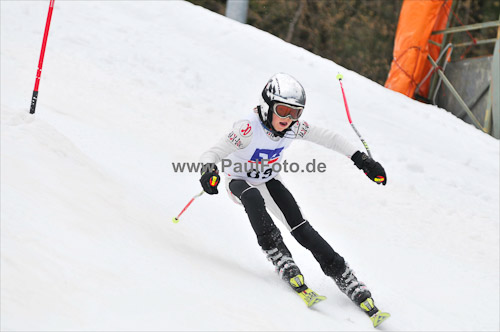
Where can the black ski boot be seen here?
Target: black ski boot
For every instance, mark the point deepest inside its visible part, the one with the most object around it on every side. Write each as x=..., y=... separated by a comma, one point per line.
x=290, y=272
x=286, y=267
x=350, y=286
x=359, y=294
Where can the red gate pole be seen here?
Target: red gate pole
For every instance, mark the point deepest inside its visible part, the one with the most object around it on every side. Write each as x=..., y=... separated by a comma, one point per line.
x=40, y=62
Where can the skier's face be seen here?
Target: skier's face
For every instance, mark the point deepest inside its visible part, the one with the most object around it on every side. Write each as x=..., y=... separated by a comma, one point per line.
x=281, y=124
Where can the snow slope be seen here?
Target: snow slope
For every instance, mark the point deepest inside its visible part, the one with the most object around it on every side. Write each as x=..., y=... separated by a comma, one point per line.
x=88, y=190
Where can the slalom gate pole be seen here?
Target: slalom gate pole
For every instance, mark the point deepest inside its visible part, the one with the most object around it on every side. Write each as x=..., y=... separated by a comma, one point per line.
x=340, y=77
x=40, y=62
x=175, y=220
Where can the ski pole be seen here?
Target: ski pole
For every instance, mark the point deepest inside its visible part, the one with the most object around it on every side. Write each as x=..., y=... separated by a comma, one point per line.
x=175, y=220
x=40, y=61
x=340, y=77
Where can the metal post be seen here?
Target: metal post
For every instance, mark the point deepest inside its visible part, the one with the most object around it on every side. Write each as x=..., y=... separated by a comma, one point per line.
x=455, y=94
x=470, y=27
x=237, y=10
x=444, y=42
x=495, y=89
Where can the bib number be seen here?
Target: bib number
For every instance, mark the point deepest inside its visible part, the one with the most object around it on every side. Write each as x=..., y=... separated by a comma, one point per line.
x=254, y=174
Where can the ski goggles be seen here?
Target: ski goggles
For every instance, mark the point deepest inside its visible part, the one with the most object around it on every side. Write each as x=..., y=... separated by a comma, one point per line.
x=287, y=111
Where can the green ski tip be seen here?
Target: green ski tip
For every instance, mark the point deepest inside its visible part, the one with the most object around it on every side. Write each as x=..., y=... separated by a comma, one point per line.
x=340, y=76
x=310, y=297
x=379, y=318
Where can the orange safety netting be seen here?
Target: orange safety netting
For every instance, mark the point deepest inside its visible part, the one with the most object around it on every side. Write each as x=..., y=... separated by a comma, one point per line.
x=417, y=20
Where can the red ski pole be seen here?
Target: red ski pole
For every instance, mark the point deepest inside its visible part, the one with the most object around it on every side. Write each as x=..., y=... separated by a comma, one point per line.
x=175, y=220
x=340, y=77
x=40, y=62
x=214, y=181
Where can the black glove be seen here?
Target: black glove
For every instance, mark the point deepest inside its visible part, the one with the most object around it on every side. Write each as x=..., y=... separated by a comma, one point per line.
x=372, y=169
x=210, y=178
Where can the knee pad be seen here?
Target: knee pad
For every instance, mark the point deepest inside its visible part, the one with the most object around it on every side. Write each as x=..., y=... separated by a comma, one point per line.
x=307, y=236
x=253, y=202
x=252, y=196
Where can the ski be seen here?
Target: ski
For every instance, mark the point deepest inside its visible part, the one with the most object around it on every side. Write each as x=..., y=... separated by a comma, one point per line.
x=379, y=317
x=376, y=316
x=309, y=296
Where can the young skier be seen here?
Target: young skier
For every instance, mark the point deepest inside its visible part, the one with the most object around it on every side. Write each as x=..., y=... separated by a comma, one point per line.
x=259, y=141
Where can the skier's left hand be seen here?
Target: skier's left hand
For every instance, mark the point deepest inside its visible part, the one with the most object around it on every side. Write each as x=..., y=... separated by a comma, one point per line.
x=372, y=169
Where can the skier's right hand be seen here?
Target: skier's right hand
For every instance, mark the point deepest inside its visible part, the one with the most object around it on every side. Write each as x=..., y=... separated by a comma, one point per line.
x=210, y=178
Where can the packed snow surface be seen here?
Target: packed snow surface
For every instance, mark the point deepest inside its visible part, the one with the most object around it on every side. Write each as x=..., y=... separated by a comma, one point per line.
x=88, y=191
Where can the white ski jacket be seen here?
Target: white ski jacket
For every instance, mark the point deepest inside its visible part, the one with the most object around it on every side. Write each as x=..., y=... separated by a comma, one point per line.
x=250, y=151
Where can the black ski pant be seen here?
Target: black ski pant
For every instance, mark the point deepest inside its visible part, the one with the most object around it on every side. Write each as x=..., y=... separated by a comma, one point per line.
x=269, y=236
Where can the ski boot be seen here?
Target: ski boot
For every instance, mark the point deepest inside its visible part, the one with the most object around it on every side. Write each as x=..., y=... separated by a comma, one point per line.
x=283, y=262
x=357, y=292
x=290, y=272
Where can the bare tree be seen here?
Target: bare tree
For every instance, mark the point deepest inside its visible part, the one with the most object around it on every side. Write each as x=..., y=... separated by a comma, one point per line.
x=293, y=23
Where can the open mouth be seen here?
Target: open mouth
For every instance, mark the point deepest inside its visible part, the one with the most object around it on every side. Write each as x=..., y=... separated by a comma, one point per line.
x=283, y=124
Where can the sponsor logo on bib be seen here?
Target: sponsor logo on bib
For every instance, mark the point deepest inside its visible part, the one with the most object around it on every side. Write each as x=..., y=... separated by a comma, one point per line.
x=268, y=154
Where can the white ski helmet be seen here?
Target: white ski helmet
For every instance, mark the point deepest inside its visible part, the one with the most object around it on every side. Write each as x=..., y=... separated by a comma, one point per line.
x=281, y=88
